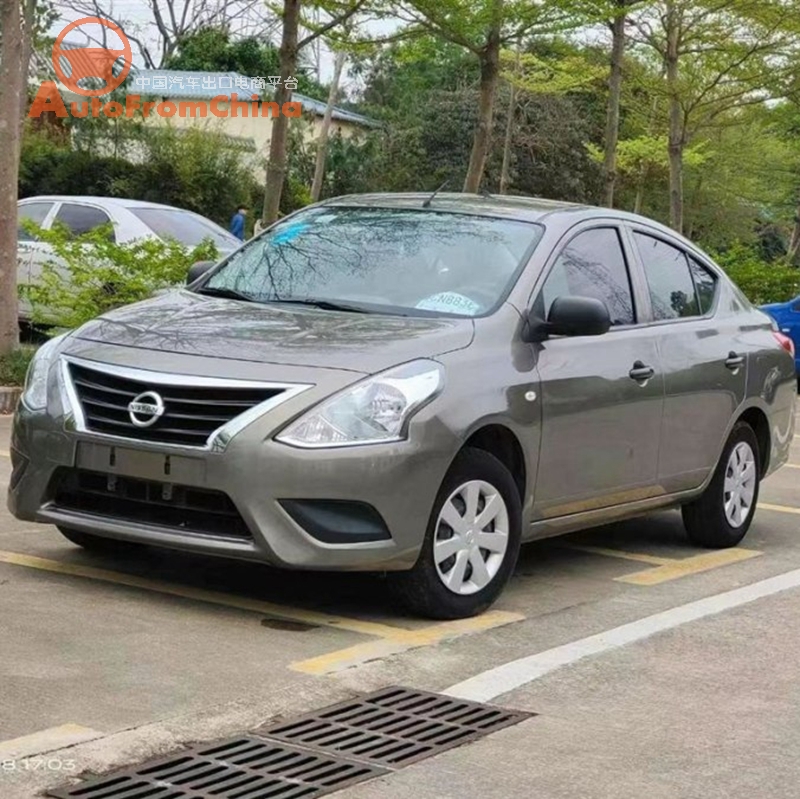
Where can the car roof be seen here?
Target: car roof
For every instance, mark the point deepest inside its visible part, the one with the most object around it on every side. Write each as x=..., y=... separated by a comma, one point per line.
x=109, y=202
x=556, y=213
x=524, y=208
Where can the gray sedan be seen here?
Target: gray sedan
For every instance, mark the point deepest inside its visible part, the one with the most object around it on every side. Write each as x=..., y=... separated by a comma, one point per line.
x=413, y=385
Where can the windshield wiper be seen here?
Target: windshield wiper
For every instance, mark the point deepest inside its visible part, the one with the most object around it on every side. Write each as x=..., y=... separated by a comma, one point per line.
x=228, y=294
x=325, y=305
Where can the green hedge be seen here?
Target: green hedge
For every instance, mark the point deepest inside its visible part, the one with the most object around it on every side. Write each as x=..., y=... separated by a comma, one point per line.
x=761, y=281
x=14, y=366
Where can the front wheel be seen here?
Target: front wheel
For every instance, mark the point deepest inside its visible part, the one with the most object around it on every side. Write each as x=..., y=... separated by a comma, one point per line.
x=471, y=543
x=721, y=517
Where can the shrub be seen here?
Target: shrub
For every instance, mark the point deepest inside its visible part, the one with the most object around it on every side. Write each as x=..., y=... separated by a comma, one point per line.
x=14, y=366
x=91, y=274
x=761, y=282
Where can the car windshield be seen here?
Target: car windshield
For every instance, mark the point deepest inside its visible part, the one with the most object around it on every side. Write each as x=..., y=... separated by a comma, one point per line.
x=186, y=228
x=403, y=261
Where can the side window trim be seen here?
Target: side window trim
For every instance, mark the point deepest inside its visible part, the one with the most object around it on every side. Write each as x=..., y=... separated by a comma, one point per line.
x=689, y=254
x=568, y=237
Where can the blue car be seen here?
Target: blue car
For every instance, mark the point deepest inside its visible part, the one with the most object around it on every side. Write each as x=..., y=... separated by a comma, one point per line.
x=787, y=315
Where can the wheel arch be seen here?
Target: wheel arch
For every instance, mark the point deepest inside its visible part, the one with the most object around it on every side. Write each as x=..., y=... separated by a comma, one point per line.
x=757, y=419
x=502, y=442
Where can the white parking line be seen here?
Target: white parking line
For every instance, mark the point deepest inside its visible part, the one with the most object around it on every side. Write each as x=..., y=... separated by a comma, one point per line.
x=490, y=684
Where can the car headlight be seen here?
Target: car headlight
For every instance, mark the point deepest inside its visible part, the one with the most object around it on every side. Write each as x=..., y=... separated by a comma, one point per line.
x=35, y=393
x=376, y=410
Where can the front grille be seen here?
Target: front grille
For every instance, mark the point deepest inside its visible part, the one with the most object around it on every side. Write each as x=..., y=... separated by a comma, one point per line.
x=184, y=509
x=191, y=413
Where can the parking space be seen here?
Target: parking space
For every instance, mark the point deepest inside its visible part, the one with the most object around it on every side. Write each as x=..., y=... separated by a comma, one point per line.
x=101, y=647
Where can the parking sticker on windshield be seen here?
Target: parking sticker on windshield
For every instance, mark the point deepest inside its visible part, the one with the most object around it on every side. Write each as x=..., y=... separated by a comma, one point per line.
x=450, y=302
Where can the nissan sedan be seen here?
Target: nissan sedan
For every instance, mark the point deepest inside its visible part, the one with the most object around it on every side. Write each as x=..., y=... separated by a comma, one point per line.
x=414, y=385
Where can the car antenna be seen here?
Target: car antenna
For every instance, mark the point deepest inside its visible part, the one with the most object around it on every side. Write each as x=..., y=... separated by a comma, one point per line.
x=427, y=203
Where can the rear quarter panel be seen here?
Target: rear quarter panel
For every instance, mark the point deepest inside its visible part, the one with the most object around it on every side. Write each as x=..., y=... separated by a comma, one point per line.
x=771, y=384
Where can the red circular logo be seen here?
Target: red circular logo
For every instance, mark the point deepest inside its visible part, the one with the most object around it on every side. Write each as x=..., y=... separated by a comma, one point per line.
x=92, y=62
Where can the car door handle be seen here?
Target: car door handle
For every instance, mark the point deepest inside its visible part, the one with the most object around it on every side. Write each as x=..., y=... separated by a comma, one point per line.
x=735, y=361
x=641, y=372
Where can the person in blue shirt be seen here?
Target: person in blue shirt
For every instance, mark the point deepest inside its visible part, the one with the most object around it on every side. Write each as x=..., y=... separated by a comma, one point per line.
x=237, y=223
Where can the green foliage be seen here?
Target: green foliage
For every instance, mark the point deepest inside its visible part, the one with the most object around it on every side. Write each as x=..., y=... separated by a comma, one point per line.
x=14, y=366
x=213, y=49
x=91, y=274
x=762, y=282
x=196, y=169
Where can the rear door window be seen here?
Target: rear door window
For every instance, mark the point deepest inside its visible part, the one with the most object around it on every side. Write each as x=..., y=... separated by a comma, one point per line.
x=593, y=264
x=31, y=212
x=80, y=219
x=672, y=290
x=705, y=284
x=185, y=228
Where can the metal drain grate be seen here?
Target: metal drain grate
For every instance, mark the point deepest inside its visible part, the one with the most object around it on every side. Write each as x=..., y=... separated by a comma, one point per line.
x=394, y=727
x=241, y=768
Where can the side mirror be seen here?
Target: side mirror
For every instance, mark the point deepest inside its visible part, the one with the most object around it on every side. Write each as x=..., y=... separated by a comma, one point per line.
x=196, y=271
x=571, y=316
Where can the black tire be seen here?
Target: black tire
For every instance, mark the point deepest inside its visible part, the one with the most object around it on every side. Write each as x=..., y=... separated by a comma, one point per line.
x=421, y=589
x=706, y=522
x=98, y=543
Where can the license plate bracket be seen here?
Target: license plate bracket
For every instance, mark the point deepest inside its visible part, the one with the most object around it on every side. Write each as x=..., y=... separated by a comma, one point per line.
x=146, y=465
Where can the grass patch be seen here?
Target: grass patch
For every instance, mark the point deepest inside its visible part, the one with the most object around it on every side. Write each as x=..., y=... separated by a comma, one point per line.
x=14, y=366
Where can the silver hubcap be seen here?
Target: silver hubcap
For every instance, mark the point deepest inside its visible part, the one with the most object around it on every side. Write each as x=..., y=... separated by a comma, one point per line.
x=471, y=537
x=740, y=484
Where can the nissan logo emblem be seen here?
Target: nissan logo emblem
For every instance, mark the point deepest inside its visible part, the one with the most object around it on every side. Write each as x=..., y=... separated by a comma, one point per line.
x=146, y=409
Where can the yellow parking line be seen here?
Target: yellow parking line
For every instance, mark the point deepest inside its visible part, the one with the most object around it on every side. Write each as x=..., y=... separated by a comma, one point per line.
x=428, y=636
x=391, y=639
x=4, y=454
x=203, y=595
x=695, y=565
x=618, y=553
x=792, y=465
x=778, y=508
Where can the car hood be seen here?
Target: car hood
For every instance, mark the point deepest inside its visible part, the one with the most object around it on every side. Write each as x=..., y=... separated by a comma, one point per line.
x=182, y=322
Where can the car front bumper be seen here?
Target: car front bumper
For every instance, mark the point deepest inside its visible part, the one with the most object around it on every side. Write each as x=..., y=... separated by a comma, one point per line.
x=265, y=480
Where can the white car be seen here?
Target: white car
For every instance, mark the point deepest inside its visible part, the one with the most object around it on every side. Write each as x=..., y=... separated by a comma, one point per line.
x=131, y=220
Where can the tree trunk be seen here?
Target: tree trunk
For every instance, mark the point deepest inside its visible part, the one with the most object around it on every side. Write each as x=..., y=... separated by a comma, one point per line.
x=676, y=126
x=614, y=99
x=505, y=172
x=12, y=88
x=794, y=245
x=276, y=166
x=639, y=201
x=322, y=143
x=481, y=143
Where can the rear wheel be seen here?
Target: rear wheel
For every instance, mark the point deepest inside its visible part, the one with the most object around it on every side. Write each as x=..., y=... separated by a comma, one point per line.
x=471, y=544
x=722, y=516
x=97, y=543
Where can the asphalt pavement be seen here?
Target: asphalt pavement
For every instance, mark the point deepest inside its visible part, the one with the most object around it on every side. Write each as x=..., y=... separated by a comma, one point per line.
x=106, y=661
